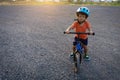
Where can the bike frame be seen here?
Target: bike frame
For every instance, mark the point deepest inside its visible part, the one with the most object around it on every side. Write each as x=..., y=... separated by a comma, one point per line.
x=79, y=46
x=78, y=53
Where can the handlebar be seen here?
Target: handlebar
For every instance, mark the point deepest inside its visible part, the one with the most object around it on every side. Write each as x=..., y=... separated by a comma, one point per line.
x=87, y=33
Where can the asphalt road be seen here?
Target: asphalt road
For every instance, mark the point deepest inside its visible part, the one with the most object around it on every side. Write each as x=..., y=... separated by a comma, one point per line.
x=33, y=46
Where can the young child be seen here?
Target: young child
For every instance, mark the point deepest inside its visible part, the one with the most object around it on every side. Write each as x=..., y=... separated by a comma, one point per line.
x=81, y=25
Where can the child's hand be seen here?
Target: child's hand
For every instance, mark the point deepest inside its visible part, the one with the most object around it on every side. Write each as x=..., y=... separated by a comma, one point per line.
x=91, y=32
x=66, y=32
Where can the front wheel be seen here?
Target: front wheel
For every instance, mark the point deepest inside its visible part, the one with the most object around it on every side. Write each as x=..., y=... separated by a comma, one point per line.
x=77, y=61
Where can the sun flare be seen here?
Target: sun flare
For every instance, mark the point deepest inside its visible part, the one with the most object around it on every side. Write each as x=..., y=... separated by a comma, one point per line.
x=48, y=0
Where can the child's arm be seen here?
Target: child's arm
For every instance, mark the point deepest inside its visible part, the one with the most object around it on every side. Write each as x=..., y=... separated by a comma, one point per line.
x=90, y=30
x=68, y=29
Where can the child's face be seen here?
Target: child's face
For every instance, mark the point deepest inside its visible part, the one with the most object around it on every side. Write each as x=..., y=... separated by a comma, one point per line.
x=81, y=17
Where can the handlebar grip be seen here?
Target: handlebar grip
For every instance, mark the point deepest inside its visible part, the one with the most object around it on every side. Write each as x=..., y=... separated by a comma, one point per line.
x=93, y=33
x=64, y=32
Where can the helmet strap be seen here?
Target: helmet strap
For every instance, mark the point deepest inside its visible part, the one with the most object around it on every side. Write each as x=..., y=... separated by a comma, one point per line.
x=80, y=22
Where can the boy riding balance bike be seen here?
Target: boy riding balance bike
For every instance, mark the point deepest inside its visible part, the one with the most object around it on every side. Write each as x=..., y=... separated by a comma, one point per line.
x=81, y=25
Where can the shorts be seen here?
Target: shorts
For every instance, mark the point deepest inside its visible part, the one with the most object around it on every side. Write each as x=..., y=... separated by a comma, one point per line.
x=84, y=41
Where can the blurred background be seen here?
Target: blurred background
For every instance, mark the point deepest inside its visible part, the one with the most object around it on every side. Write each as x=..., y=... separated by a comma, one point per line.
x=91, y=2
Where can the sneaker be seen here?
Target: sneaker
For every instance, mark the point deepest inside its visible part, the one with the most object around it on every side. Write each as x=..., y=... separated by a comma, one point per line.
x=87, y=58
x=71, y=54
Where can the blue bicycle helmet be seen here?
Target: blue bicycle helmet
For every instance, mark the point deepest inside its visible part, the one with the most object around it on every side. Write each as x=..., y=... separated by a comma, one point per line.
x=84, y=10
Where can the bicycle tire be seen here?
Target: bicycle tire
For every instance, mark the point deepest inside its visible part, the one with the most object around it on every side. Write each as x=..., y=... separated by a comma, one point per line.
x=77, y=61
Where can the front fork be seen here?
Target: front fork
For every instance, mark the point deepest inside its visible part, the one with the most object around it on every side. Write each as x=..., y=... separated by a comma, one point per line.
x=75, y=57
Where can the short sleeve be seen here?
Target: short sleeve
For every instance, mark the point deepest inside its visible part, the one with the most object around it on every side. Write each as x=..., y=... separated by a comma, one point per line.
x=73, y=25
x=88, y=25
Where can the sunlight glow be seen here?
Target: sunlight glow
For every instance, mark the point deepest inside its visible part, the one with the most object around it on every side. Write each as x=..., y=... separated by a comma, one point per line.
x=48, y=0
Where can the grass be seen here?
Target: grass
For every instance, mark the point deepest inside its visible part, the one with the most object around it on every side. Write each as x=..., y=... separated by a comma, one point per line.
x=60, y=3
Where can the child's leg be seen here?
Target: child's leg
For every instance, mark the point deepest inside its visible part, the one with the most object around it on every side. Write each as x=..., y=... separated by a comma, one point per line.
x=86, y=57
x=85, y=43
x=74, y=48
x=85, y=50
